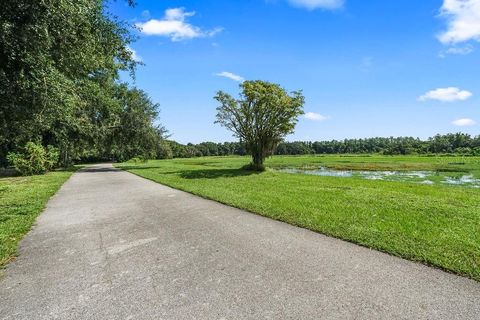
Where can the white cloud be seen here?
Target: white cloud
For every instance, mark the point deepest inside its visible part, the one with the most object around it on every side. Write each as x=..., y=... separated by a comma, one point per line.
x=230, y=75
x=463, y=21
x=464, y=122
x=134, y=55
x=317, y=4
x=446, y=94
x=175, y=26
x=315, y=116
x=457, y=51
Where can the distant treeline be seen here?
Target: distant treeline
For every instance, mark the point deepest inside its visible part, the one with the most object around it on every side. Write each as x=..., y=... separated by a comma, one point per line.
x=454, y=143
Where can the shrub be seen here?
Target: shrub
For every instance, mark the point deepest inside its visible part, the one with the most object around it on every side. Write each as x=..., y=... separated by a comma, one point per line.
x=53, y=155
x=137, y=159
x=34, y=159
x=164, y=151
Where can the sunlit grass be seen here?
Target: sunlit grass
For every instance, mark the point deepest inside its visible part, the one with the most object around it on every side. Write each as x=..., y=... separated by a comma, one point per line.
x=434, y=224
x=21, y=201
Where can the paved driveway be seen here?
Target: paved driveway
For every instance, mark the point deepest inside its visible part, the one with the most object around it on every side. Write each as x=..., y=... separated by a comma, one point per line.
x=111, y=245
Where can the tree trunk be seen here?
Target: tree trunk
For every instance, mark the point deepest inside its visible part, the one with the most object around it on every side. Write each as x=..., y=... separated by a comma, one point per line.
x=258, y=159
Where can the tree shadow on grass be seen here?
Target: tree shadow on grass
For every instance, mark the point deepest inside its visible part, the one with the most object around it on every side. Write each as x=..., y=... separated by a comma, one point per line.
x=199, y=174
x=10, y=172
x=98, y=169
x=134, y=167
x=216, y=173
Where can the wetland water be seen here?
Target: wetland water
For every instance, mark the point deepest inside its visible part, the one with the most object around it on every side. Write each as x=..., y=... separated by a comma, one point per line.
x=422, y=177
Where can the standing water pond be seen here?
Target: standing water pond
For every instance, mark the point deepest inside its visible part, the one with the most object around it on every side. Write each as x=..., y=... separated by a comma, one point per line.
x=422, y=177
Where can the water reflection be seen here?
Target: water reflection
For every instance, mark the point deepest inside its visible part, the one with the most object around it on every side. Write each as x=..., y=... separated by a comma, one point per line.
x=422, y=177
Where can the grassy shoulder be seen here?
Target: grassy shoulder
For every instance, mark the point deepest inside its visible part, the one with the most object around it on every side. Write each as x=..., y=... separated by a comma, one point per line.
x=22, y=199
x=433, y=224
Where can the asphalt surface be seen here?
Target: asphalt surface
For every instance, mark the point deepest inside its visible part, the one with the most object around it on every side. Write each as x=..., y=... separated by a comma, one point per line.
x=111, y=245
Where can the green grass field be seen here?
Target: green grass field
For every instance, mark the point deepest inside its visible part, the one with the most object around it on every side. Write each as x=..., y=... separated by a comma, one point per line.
x=438, y=225
x=21, y=201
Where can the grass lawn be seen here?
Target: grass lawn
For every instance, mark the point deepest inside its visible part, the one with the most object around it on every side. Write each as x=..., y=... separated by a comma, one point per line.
x=22, y=199
x=436, y=224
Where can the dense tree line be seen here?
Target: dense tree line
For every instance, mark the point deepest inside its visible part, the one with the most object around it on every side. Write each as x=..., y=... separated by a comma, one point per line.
x=60, y=62
x=178, y=150
x=454, y=143
x=449, y=143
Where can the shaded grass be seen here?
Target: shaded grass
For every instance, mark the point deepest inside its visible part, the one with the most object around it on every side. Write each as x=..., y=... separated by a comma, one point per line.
x=433, y=224
x=22, y=199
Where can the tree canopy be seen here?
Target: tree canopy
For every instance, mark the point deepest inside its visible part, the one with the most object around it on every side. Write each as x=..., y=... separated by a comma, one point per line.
x=261, y=118
x=59, y=82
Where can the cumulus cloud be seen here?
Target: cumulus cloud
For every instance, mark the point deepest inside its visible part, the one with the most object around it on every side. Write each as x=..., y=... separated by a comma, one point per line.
x=317, y=4
x=315, y=116
x=230, y=75
x=463, y=18
x=174, y=25
x=464, y=122
x=446, y=94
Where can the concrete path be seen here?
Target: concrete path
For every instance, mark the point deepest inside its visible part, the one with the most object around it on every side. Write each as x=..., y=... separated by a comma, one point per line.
x=111, y=245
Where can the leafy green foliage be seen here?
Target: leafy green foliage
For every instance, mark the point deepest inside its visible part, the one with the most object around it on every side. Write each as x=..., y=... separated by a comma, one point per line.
x=137, y=160
x=35, y=159
x=59, y=68
x=164, y=150
x=52, y=157
x=134, y=134
x=261, y=118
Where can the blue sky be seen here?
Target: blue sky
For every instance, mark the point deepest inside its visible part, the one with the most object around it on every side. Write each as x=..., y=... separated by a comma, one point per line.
x=366, y=68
